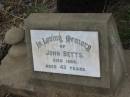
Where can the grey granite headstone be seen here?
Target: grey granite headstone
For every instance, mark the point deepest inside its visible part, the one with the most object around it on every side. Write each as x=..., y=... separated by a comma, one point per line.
x=107, y=50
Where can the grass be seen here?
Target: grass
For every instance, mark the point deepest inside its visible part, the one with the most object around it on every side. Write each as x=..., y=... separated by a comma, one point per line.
x=39, y=8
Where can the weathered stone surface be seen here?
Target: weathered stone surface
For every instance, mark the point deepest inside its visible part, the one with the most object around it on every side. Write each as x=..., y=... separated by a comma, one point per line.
x=15, y=72
x=18, y=50
x=14, y=35
x=111, y=58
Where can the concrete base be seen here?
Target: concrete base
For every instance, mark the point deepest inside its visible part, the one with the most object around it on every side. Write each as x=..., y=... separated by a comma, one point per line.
x=111, y=55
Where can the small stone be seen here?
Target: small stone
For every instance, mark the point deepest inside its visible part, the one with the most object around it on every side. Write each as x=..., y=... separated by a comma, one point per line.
x=14, y=36
x=18, y=50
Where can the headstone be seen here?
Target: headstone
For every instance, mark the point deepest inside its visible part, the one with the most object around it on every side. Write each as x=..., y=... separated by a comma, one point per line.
x=79, y=6
x=78, y=49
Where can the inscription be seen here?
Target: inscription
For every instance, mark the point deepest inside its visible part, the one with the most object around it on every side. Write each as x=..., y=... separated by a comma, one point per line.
x=66, y=52
x=53, y=53
x=69, y=39
x=72, y=68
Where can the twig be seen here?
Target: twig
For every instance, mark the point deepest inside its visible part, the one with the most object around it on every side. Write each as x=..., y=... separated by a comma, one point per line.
x=105, y=6
x=44, y=1
x=16, y=16
x=35, y=3
x=13, y=15
x=7, y=95
x=20, y=1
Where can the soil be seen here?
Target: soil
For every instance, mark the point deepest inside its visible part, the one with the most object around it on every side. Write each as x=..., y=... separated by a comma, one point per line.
x=5, y=93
